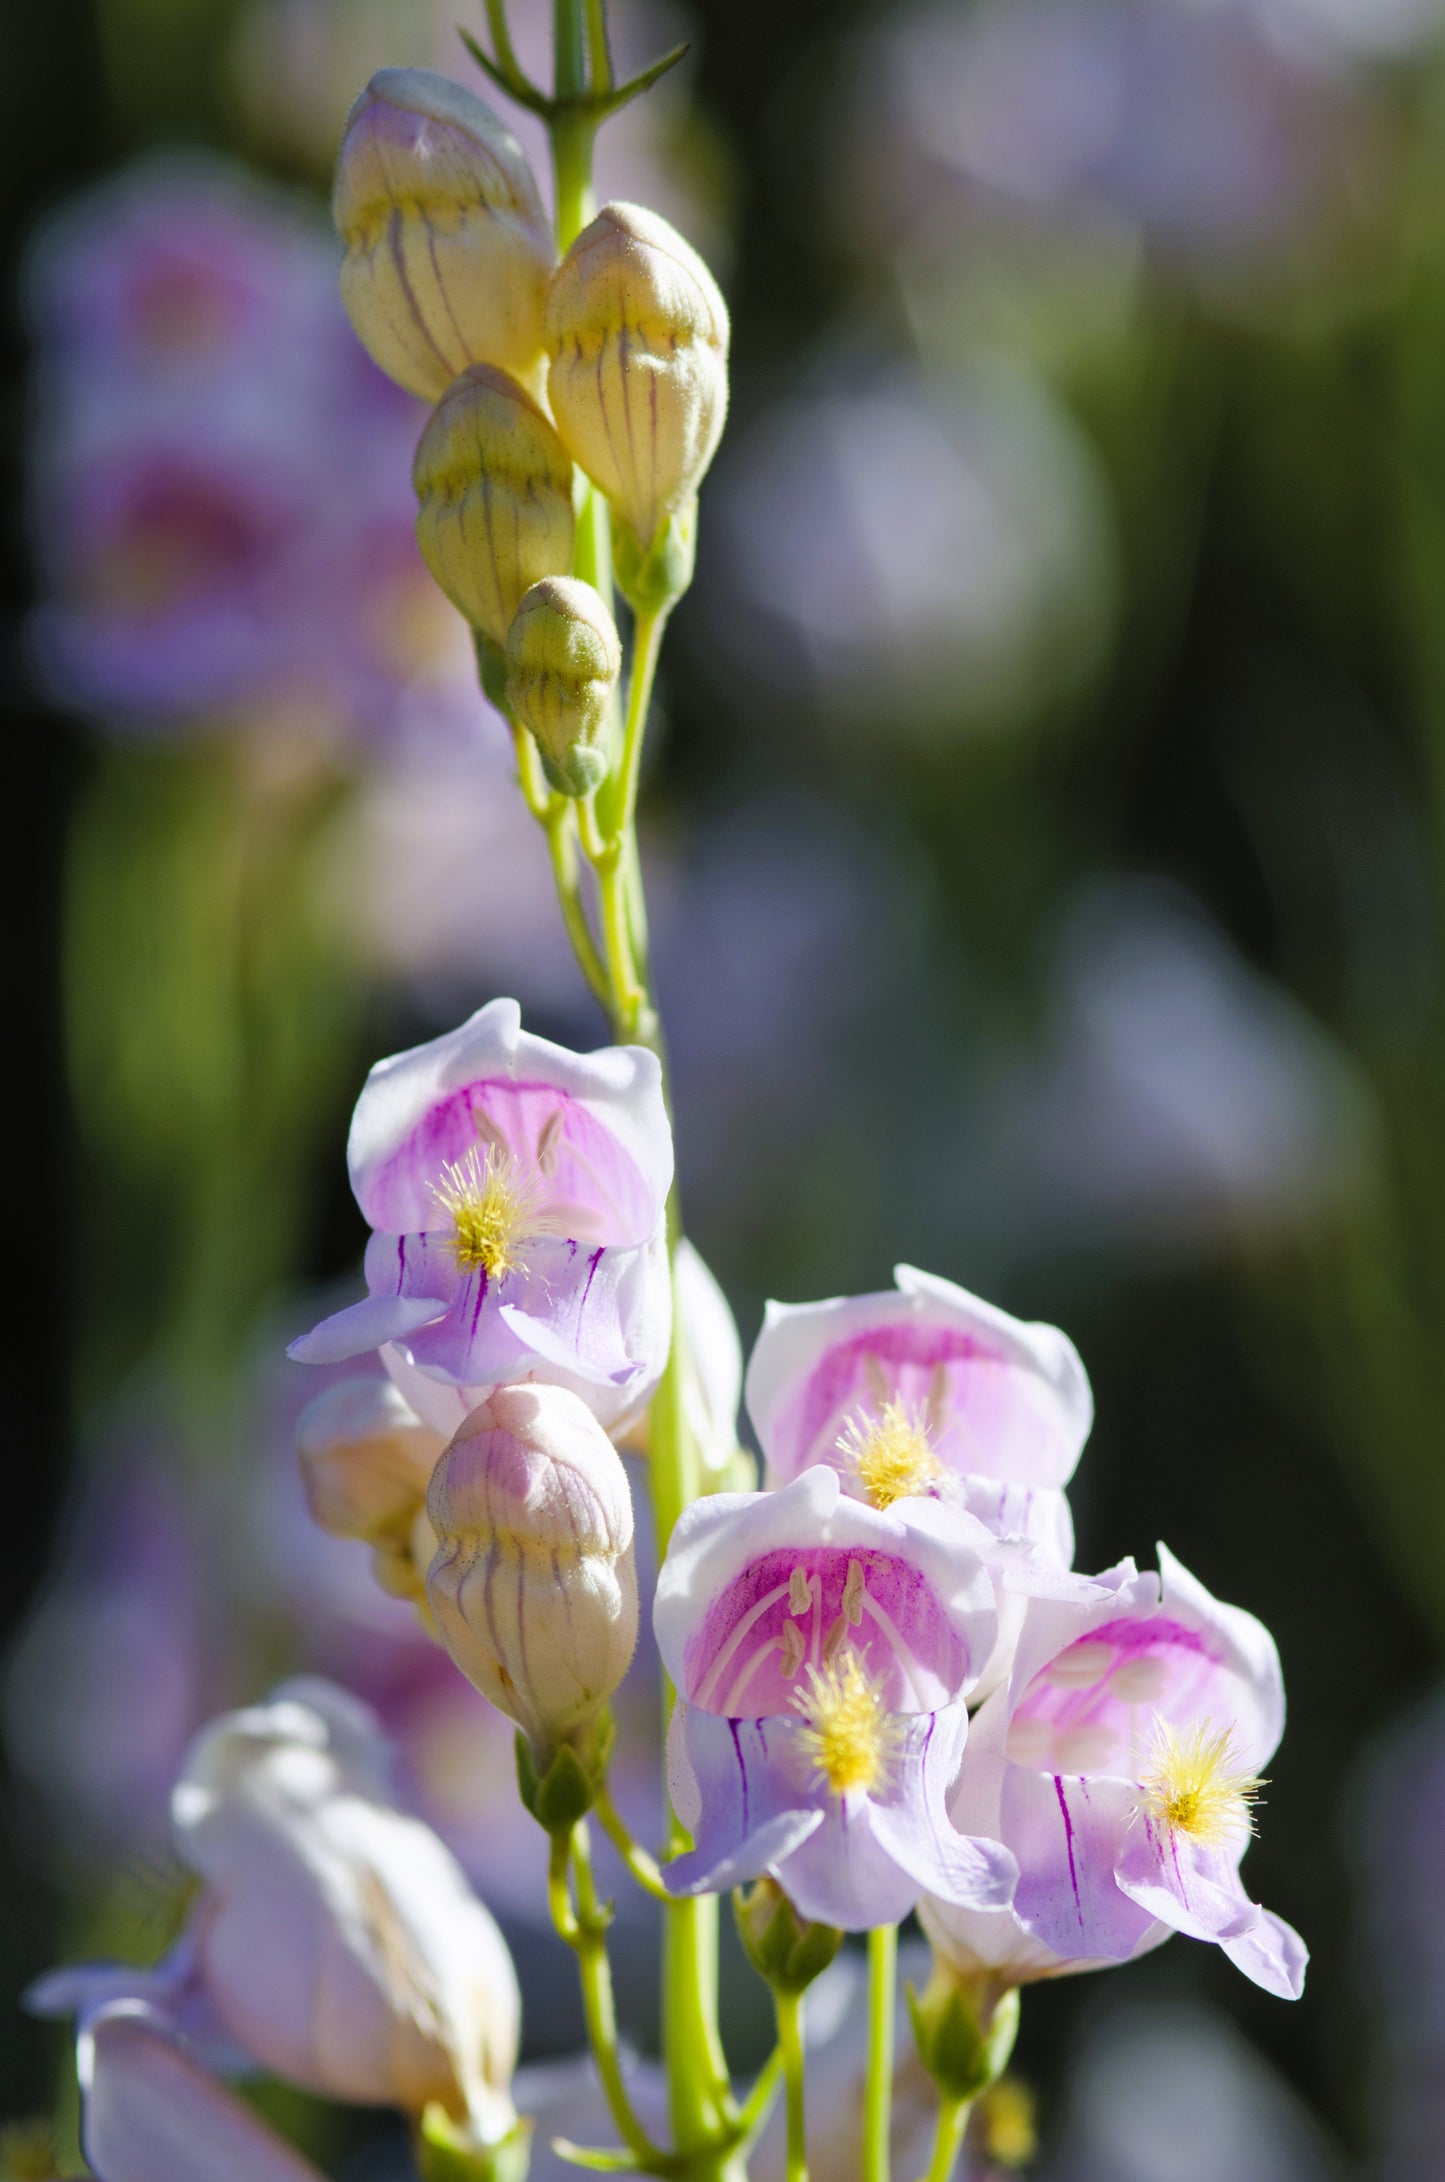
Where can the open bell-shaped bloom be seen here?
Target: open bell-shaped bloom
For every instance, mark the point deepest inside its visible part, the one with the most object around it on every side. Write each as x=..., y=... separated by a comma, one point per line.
x=517, y=1194
x=925, y=1390
x=335, y=1941
x=1120, y=1764
x=823, y=1651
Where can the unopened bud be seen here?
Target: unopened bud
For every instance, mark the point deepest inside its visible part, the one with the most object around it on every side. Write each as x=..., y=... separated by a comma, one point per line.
x=638, y=337
x=448, y=248
x=964, y=2028
x=563, y=660
x=366, y=1459
x=787, y=1950
x=533, y=1585
x=366, y=1462
x=494, y=487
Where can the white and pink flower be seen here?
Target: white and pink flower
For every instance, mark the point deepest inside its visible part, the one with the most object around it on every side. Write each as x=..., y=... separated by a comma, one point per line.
x=823, y=1651
x=517, y=1194
x=1120, y=1765
x=334, y=1942
x=925, y=1390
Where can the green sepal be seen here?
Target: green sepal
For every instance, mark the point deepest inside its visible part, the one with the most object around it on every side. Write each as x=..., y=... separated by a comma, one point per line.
x=445, y=2153
x=786, y=1950
x=567, y=1789
x=653, y=577
x=581, y=769
x=964, y=2037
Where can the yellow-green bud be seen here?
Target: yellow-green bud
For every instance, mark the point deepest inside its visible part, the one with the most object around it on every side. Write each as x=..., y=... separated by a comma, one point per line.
x=638, y=336
x=494, y=487
x=563, y=660
x=448, y=247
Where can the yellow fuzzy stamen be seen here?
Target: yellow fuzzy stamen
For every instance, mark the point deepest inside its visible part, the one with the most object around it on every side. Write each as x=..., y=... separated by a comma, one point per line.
x=849, y=1737
x=493, y=1205
x=890, y=1454
x=1195, y=1784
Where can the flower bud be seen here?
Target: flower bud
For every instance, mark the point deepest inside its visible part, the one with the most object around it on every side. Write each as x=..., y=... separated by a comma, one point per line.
x=337, y=1941
x=786, y=1950
x=964, y=2029
x=563, y=660
x=533, y=1586
x=638, y=337
x=448, y=248
x=366, y=1460
x=494, y=484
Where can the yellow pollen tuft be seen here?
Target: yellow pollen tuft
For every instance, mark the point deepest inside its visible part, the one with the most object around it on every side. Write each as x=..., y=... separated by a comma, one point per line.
x=493, y=1205
x=1194, y=1784
x=890, y=1455
x=849, y=1736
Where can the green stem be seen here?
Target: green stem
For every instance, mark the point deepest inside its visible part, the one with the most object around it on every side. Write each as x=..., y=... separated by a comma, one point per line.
x=753, y=2116
x=699, y=2099
x=559, y=1901
x=621, y=809
x=703, y=2113
x=588, y=1940
x=948, y=2143
x=642, y=1866
x=557, y=817
x=789, y=2008
x=562, y=849
x=599, y=45
x=878, y=2111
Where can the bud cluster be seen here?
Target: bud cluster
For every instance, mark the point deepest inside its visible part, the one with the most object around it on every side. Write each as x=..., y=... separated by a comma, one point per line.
x=452, y=283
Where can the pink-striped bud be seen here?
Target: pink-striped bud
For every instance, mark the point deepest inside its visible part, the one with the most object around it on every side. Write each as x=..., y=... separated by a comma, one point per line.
x=448, y=248
x=533, y=1587
x=638, y=383
x=494, y=499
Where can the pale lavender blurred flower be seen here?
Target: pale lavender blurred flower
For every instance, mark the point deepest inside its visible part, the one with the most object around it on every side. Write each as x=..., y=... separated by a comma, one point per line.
x=913, y=557
x=221, y=480
x=1179, y=1095
x=1187, y=123
x=122, y=1656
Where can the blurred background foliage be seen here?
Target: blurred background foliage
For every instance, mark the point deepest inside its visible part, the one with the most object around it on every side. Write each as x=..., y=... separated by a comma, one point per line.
x=1047, y=841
